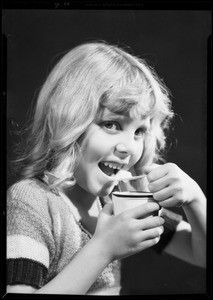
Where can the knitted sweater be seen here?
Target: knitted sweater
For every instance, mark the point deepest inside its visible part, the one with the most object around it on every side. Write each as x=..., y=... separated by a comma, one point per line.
x=43, y=237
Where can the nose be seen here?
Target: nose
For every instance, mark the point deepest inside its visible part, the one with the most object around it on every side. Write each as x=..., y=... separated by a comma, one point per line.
x=125, y=149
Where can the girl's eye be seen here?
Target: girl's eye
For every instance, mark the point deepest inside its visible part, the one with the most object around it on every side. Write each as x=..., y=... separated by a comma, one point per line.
x=140, y=132
x=111, y=125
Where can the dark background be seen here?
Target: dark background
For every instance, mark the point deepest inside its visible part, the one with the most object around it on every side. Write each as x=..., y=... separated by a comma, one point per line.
x=175, y=43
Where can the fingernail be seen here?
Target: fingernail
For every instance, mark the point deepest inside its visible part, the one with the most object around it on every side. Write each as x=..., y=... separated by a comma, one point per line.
x=161, y=230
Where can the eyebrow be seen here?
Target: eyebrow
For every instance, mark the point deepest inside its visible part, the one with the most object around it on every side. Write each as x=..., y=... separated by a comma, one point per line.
x=109, y=115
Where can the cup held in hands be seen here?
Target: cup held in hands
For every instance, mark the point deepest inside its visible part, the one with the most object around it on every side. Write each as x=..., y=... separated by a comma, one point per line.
x=123, y=201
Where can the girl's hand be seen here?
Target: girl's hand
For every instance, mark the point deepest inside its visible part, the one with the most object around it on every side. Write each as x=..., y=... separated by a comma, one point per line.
x=171, y=186
x=126, y=233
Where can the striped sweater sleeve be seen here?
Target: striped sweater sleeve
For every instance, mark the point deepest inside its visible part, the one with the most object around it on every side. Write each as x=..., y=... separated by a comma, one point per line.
x=29, y=239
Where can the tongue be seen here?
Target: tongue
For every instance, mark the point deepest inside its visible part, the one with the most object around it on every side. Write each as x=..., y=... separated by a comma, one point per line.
x=106, y=169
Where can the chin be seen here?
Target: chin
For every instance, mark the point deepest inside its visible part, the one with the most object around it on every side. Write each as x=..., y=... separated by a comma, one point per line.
x=105, y=191
x=101, y=190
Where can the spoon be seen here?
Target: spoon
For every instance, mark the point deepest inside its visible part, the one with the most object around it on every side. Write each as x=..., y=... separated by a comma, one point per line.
x=134, y=177
x=126, y=176
x=125, y=179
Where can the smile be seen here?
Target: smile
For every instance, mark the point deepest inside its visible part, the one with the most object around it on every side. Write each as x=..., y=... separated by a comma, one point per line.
x=110, y=168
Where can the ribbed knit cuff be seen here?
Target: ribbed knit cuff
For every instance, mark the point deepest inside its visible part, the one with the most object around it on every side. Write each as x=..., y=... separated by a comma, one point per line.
x=25, y=271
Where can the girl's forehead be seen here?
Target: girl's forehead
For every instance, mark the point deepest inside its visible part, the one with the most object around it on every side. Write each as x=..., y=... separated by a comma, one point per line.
x=137, y=103
x=106, y=114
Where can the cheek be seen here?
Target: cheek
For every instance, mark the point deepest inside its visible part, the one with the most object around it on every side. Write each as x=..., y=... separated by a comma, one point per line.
x=96, y=148
x=95, y=151
x=137, y=155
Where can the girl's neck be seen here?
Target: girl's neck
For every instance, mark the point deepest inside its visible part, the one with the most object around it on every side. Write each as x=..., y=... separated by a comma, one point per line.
x=79, y=197
x=85, y=206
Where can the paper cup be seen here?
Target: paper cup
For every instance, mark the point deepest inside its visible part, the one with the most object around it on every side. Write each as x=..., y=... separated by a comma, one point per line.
x=123, y=201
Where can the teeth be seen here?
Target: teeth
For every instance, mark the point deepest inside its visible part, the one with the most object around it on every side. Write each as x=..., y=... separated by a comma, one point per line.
x=112, y=165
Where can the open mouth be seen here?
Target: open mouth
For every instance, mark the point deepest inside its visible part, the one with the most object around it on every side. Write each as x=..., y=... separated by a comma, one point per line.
x=109, y=168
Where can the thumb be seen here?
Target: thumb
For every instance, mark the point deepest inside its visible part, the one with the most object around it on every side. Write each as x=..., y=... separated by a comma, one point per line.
x=149, y=168
x=107, y=209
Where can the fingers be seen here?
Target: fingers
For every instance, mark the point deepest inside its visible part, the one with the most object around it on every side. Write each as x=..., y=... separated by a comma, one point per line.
x=172, y=202
x=142, y=210
x=151, y=222
x=151, y=233
x=163, y=194
x=147, y=244
x=148, y=238
x=107, y=209
x=166, y=198
x=149, y=168
x=157, y=173
x=159, y=184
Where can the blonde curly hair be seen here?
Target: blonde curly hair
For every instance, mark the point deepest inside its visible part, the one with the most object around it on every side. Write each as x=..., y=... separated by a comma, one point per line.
x=87, y=79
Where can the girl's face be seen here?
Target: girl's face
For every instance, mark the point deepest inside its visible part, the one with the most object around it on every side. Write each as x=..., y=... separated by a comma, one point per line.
x=113, y=142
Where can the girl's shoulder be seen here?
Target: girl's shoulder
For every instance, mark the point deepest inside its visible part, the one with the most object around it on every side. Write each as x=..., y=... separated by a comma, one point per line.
x=27, y=186
x=26, y=183
x=36, y=196
x=33, y=192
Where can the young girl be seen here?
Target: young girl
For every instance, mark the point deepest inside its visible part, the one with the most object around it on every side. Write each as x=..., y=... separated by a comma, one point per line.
x=100, y=111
